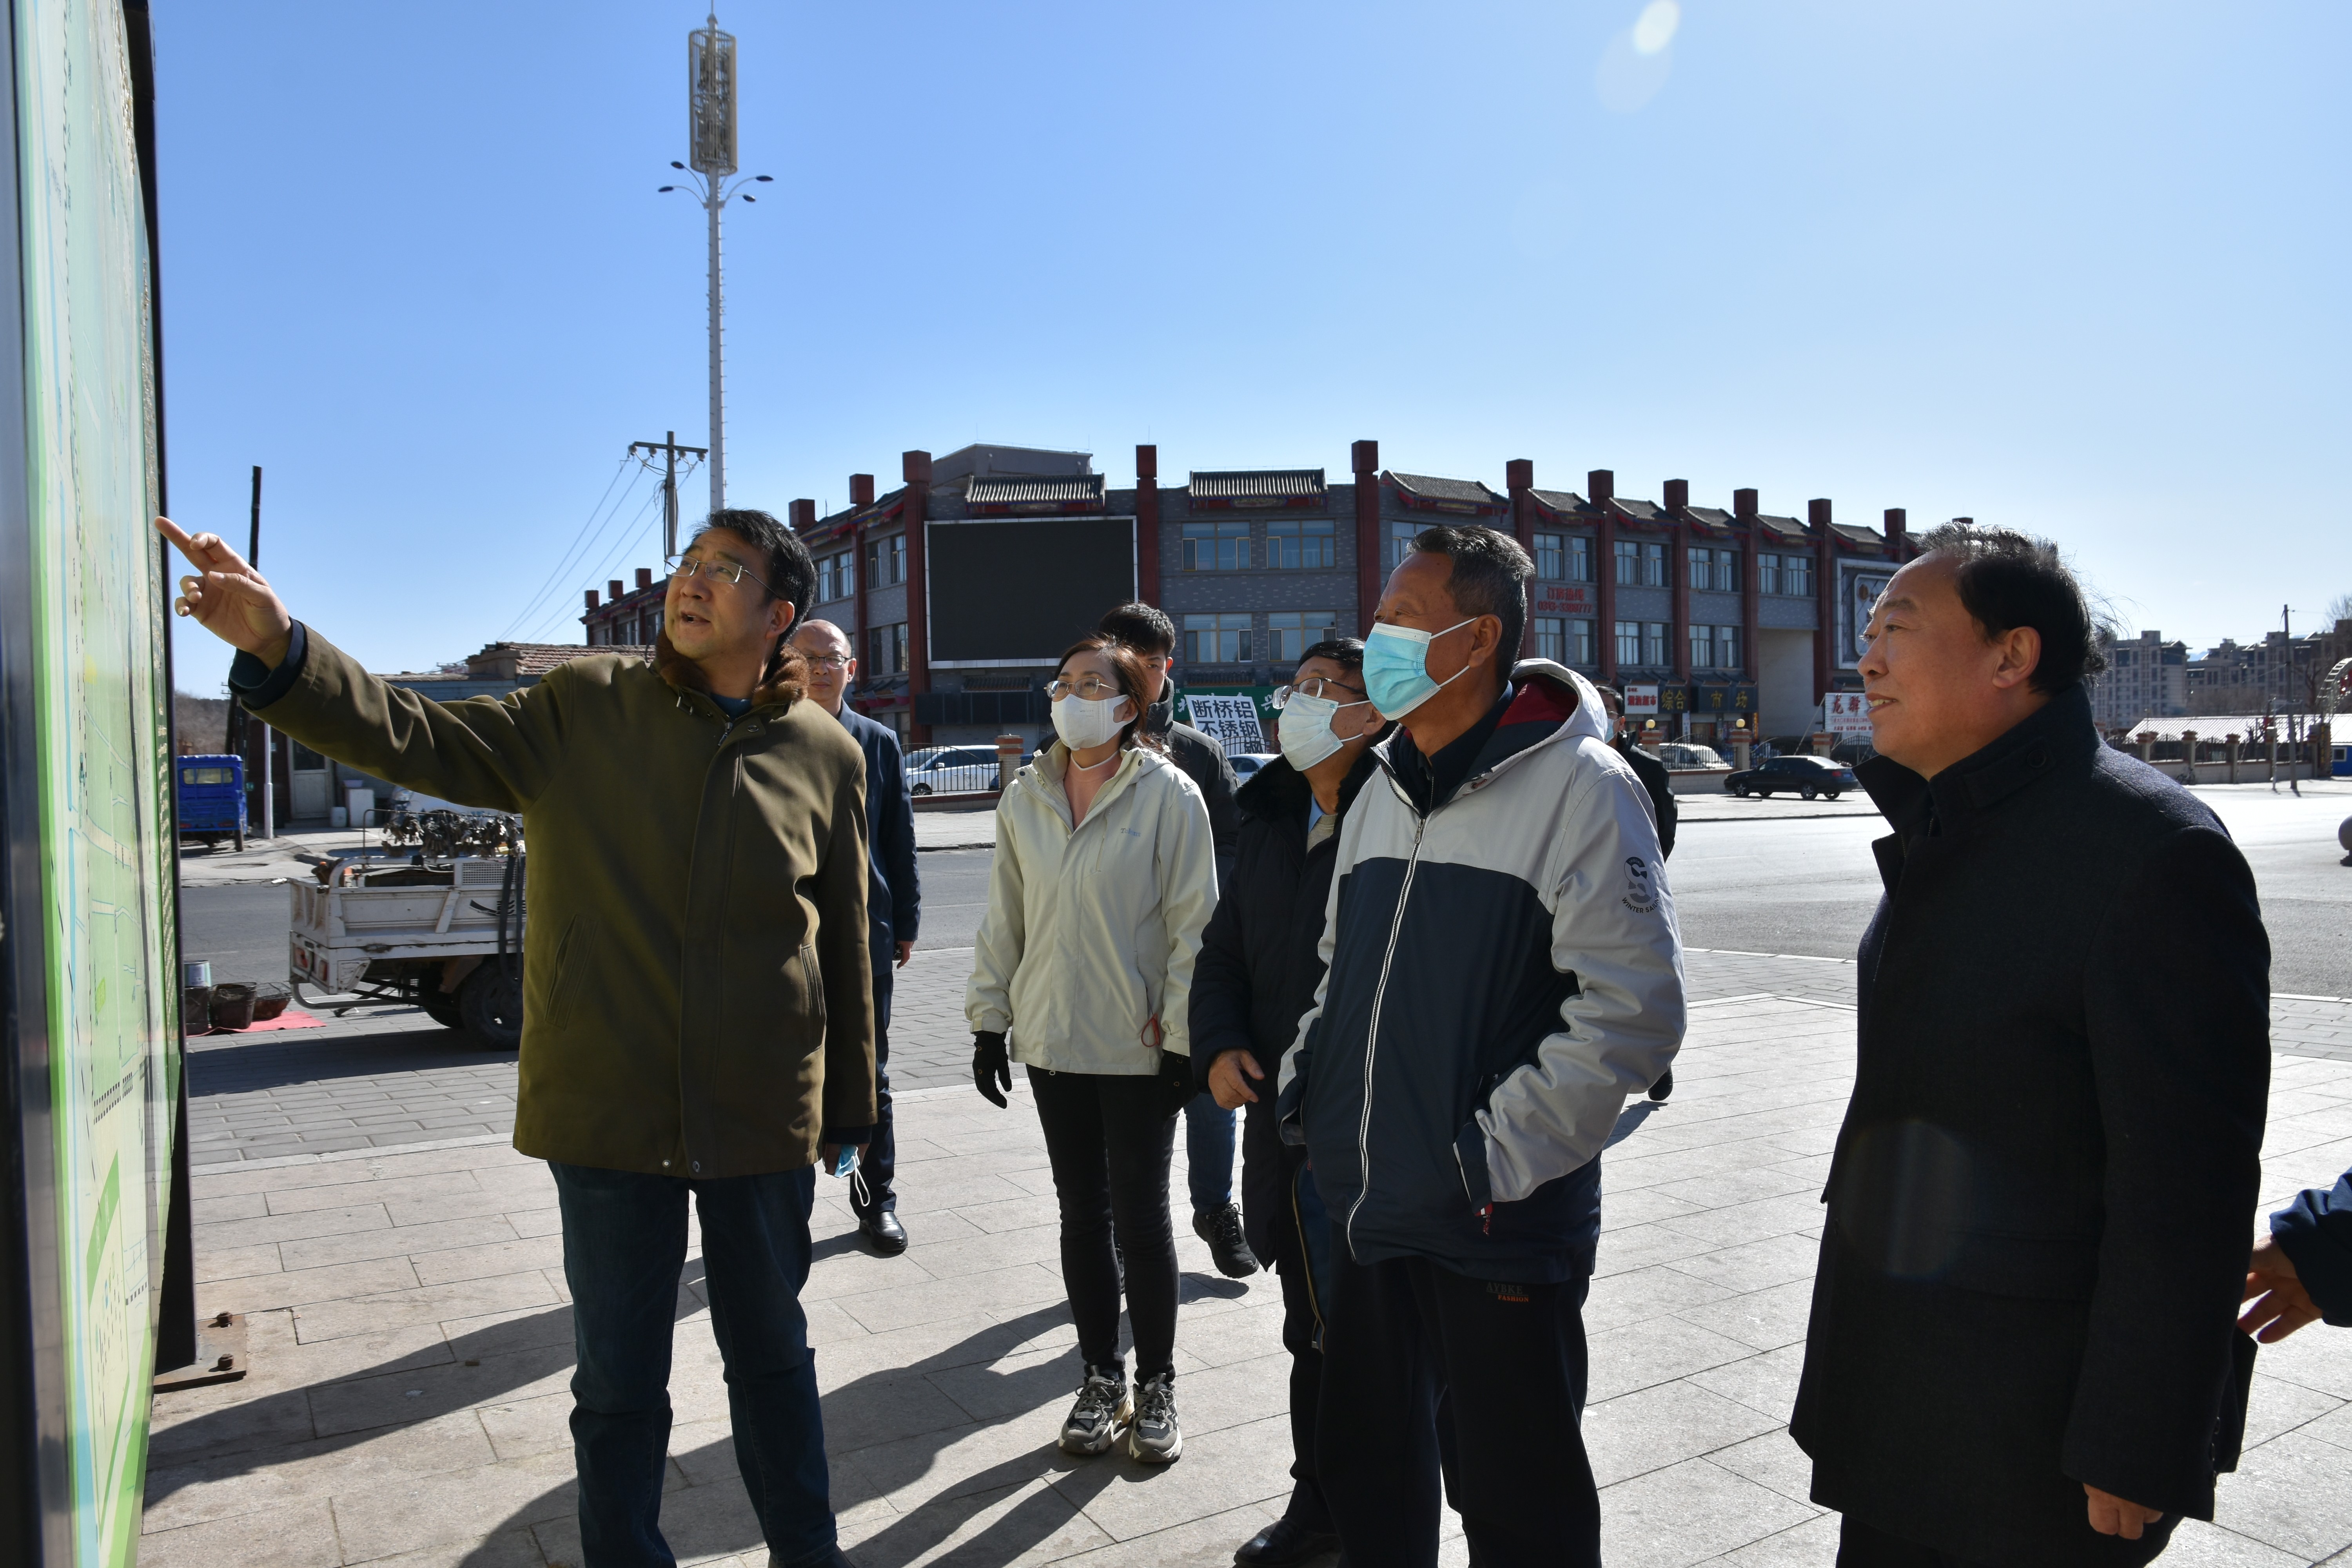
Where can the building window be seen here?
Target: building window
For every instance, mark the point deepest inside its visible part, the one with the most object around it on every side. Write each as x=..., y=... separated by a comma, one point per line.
x=1629, y=643
x=886, y=650
x=1654, y=642
x=1550, y=562
x=1217, y=639
x=1563, y=557
x=1701, y=647
x=1290, y=633
x=1726, y=648
x=1715, y=571
x=1399, y=544
x=1789, y=574
x=1302, y=544
x=836, y=576
x=885, y=561
x=1641, y=564
x=1216, y=547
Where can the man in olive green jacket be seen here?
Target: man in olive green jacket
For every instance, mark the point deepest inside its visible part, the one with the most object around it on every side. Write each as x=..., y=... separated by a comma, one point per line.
x=696, y=1015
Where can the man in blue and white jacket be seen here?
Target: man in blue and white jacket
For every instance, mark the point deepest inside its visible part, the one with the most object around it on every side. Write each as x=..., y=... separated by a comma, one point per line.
x=1503, y=969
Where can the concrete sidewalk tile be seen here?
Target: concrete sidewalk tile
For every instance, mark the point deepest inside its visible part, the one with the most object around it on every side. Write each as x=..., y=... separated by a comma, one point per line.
x=1752, y=1266
x=853, y=1271
x=1761, y=1319
x=463, y=1506
x=1689, y=1512
x=540, y=1424
x=423, y=1394
x=1635, y=1294
x=1771, y=1460
x=1813, y=1544
x=188, y=1426
x=1643, y=1245
x=505, y=1549
x=212, y=1487
x=427, y=1303
x=1001, y=1291
x=296, y=1535
x=502, y=1334
x=1767, y=1381
x=976, y=1251
x=1222, y=1339
x=1024, y=1211
x=974, y=1339
x=241, y=1206
x=394, y=1241
x=1196, y=1543
x=547, y=1221
x=235, y=1262
x=301, y=1286
x=445, y=1266
x=2289, y=1493
x=293, y=1226
x=1030, y=1385
x=2196, y=1544
x=1638, y=1433
x=1027, y=1523
x=2277, y=1407
x=1219, y=1471
x=1738, y=1224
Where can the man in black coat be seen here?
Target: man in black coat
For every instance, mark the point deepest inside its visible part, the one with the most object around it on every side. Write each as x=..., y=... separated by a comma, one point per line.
x=1208, y=1128
x=1255, y=979
x=2022, y=1350
x=894, y=907
x=1652, y=772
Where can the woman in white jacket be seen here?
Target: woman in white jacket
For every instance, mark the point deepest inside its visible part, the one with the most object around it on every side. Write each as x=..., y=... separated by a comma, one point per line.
x=1103, y=881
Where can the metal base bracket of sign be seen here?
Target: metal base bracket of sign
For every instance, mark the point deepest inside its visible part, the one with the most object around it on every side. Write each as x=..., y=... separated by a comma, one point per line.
x=220, y=1356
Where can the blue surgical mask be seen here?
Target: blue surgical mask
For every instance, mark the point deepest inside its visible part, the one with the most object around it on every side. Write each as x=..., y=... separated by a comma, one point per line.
x=1396, y=667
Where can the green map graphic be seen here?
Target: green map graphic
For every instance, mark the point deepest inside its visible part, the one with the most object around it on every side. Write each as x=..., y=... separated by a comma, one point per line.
x=104, y=763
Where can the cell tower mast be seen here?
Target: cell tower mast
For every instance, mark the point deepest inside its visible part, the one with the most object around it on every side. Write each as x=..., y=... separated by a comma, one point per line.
x=710, y=133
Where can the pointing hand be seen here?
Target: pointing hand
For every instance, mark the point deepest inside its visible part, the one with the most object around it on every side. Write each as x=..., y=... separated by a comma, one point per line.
x=229, y=598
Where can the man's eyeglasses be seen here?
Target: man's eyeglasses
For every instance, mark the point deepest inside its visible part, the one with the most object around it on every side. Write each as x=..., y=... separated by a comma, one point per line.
x=828, y=660
x=722, y=571
x=1093, y=688
x=1319, y=686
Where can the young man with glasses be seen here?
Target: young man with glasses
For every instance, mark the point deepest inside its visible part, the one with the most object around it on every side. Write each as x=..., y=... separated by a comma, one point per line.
x=698, y=1016
x=1209, y=1133
x=894, y=907
x=1256, y=977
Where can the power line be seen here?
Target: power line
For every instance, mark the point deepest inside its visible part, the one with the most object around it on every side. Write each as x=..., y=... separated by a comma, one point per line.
x=627, y=540
x=580, y=540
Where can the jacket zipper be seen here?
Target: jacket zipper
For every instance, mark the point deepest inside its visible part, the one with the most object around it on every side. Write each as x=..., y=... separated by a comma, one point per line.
x=1372, y=1035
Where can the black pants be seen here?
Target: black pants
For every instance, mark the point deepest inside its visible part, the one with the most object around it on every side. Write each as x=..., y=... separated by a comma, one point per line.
x=1510, y=1361
x=1302, y=1326
x=870, y=1191
x=1863, y=1545
x=1109, y=1142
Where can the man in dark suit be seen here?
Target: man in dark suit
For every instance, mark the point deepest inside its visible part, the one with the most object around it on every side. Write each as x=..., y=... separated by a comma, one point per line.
x=894, y=907
x=2022, y=1350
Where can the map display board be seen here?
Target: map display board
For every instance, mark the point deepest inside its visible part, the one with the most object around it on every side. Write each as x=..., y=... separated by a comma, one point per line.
x=99, y=715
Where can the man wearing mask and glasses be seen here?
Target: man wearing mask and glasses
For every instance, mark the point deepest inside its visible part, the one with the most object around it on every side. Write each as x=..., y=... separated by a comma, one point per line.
x=894, y=907
x=698, y=1015
x=1256, y=977
x=1503, y=969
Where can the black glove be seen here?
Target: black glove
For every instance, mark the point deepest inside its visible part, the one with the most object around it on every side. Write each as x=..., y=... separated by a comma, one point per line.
x=992, y=1068
x=1176, y=1086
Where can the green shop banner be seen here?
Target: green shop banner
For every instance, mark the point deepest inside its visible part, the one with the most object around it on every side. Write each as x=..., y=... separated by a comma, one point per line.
x=89, y=868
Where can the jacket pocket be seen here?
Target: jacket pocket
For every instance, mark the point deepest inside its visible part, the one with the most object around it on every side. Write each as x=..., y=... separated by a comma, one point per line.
x=1470, y=1159
x=567, y=968
x=812, y=979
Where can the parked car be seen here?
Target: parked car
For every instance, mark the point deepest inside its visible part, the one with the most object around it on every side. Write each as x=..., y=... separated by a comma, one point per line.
x=1807, y=776
x=1685, y=755
x=951, y=770
x=1247, y=763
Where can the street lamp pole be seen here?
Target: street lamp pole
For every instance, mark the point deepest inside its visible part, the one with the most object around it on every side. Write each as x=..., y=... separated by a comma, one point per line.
x=710, y=131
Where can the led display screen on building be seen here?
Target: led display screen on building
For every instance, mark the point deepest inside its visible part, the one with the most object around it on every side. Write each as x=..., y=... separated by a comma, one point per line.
x=1021, y=589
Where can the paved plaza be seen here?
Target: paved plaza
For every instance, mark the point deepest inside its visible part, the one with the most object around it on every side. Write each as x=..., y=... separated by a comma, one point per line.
x=401, y=1276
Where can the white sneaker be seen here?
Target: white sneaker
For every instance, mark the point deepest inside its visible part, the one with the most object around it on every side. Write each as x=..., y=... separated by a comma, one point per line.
x=1155, y=1438
x=1094, y=1421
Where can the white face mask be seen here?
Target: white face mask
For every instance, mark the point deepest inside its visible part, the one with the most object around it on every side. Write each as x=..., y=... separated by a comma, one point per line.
x=1304, y=729
x=1084, y=723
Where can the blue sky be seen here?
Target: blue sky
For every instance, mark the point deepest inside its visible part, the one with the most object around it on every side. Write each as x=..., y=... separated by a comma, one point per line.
x=2077, y=268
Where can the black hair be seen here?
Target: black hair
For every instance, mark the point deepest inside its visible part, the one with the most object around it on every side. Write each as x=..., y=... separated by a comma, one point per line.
x=1128, y=661
x=1610, y=699
x=2007, y=580
x=1347, y=653
x=1146, y=628
x=1490, y=576
x=789, y=575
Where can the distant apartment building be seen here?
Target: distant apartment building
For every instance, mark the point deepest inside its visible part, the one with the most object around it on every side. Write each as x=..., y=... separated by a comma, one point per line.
x=960, y=587
x=2145, y=677
x=2279, y=674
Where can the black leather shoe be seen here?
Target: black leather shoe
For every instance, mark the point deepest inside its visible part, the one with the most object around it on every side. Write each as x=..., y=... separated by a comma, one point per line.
x=1282, y=1544
x=884, y=1231
x=1665, y=1086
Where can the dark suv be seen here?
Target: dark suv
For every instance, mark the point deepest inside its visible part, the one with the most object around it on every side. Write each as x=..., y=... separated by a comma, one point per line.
x=1807, y=776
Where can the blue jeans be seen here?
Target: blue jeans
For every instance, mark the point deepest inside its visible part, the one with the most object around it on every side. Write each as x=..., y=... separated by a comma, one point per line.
x=624, y=1246
x=1209, y=1152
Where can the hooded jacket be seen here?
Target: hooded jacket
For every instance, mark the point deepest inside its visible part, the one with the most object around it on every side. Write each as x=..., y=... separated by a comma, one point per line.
x=696, y=995
x=1261, y=961
x=1084, y=957
x=1502, y=973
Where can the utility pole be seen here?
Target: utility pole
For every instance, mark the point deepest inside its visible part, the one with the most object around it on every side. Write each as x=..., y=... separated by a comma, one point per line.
x=253, y=559
x=710, y=131
x=669, y=452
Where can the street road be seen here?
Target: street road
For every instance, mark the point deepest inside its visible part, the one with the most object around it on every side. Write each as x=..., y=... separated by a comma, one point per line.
x=1803, y=885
